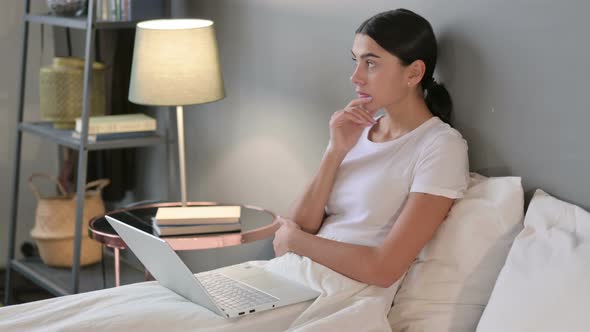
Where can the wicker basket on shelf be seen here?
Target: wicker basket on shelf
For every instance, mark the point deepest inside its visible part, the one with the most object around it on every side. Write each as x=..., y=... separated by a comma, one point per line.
x=55, y=221
x=61, y=91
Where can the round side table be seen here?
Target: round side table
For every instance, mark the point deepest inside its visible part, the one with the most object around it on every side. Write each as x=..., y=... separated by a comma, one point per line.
x=257, y=224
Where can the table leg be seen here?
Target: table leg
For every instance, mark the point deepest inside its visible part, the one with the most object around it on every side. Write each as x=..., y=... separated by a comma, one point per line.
x=103, y=267
x=117, y=271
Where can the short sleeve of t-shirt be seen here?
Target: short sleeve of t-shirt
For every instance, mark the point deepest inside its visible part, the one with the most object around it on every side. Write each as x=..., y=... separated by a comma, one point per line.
x=443, y=167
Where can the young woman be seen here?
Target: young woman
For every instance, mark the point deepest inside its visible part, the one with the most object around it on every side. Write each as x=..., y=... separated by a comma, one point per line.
x=384, y=184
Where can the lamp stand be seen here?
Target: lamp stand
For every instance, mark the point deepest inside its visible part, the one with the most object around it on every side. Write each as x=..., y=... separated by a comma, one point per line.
x=181, y=163
x=186, y=215
x=182, y=214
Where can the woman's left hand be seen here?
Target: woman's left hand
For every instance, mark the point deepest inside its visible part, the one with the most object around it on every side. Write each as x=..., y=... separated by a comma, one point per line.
x=284, y=236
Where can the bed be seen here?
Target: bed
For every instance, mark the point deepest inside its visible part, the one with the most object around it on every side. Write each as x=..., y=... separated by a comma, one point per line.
x=147, y=306
x=488, y=268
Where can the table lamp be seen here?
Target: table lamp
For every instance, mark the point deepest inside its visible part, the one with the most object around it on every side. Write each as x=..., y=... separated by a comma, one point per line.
x=176, y=63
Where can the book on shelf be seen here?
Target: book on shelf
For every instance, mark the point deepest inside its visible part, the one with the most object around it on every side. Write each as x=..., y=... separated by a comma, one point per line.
x=198, y=215
x=114, y=136
x=113, y=10
x=195, y=229
x=107, y=124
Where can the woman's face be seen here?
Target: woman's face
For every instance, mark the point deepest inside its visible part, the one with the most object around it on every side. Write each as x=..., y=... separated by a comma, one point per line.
x=378, y=73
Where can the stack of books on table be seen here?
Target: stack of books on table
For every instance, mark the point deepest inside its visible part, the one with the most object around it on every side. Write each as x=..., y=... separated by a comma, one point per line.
x=121, y=126
x=196, y=220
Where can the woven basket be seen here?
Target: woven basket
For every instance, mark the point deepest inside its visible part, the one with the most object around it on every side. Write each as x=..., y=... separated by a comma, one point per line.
x=55, y=221
x=61, y=91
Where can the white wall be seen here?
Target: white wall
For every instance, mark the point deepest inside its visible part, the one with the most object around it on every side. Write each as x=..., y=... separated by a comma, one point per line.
x=37, y=155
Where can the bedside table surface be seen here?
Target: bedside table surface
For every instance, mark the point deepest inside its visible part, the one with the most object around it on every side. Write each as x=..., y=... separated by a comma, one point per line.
x=257, y=224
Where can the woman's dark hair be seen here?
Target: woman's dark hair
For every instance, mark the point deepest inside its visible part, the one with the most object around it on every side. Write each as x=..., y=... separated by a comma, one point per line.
x=410, y=37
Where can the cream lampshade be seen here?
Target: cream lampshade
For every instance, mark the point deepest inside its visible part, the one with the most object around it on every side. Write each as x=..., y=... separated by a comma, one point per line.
x=176, y=63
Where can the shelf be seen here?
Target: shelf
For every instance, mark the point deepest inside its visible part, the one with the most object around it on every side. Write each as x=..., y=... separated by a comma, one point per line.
x=58, y=281
x=62, y=281
x=78, y=22
x=64, y=137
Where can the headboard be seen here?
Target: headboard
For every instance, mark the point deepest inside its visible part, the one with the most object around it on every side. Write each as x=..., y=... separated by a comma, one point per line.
x=519, y=75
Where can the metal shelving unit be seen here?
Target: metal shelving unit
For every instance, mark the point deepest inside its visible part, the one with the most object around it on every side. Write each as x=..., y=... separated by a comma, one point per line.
x=77, y=22
x=56, y=280
x=64, y=137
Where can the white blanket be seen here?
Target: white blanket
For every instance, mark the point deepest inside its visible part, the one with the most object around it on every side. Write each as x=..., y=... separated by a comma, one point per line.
x=344, y=305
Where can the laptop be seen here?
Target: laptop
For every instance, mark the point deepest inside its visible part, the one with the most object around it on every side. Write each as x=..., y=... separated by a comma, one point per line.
x=234, y=291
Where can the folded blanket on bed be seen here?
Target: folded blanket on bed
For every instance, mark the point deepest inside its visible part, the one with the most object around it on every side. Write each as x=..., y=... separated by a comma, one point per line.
x=344, y=305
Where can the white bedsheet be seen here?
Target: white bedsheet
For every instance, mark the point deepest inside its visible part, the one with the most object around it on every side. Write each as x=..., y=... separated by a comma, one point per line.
x=345, y=305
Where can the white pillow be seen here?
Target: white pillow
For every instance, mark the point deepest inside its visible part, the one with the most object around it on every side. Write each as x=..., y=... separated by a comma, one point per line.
x=449, y=284
x=545, y=283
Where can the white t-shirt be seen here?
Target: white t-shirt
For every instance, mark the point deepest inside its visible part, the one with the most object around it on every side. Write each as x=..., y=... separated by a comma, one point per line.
x=374, y=180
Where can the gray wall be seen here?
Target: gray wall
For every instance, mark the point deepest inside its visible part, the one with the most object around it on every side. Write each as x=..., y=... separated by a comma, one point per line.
x=37, y=155
x=516, y=71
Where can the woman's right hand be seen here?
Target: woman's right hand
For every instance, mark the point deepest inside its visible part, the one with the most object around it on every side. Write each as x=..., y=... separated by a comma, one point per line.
x=347, y=125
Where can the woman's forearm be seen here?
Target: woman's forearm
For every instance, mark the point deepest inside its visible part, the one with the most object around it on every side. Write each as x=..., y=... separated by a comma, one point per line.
x=308, y=210
x=358, y=262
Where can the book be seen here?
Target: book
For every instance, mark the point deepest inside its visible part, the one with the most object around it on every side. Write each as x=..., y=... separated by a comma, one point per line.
x=126, y=10
x=198, y=215
x=194, y=229
x=113, y=10
x=102, y=10
x=108, y=124
x=113, y=136
x=118, y=9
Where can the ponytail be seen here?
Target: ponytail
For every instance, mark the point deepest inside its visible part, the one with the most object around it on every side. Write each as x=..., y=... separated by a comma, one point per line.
x=437, y=99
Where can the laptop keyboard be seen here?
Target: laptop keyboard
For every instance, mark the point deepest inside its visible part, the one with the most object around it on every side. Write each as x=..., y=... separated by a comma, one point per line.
x=232, y=294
